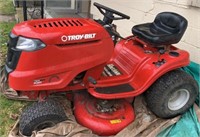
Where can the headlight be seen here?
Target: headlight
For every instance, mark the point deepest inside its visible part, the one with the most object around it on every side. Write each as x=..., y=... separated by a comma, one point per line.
x=27, y=44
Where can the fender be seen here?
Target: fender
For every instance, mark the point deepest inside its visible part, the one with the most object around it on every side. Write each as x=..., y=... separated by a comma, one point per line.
x=138, y=68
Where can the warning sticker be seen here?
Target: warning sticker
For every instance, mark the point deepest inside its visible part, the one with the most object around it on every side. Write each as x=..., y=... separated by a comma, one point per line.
x=111, y=70
x=115, y=121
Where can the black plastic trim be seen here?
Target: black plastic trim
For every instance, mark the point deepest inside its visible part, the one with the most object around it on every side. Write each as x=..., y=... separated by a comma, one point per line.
x=13, y=54
x=115, y=89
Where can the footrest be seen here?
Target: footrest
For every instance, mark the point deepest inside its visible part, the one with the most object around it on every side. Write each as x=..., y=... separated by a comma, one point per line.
x=115, y=89
x=110, y=92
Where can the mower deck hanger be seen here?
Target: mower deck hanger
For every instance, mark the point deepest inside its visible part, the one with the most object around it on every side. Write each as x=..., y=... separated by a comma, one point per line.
x=98, y=69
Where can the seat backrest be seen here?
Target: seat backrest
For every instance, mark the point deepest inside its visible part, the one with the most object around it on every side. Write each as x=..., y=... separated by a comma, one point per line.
x=171, y=23
x=167, y=28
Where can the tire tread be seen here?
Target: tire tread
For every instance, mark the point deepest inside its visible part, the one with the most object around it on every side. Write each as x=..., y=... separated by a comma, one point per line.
x=159, y=92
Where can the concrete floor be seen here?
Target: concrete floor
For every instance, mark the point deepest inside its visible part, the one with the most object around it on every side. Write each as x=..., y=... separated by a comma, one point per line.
x=55, y=13
x=6, y=18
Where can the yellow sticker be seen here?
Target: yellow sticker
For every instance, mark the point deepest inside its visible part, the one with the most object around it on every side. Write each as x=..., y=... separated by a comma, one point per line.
x=115, y=121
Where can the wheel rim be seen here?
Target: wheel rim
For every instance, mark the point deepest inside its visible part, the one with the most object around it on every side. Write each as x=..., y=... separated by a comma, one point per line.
x=178, y=99
x=44, y=125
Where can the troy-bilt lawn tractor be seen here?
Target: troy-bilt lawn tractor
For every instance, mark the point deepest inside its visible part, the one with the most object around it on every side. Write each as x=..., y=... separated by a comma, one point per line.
x=85, y=58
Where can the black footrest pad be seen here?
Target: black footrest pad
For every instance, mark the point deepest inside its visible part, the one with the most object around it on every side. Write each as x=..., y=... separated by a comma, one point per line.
x=115, y=89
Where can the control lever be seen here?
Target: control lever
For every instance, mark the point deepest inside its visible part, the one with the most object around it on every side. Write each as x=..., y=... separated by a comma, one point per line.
x=92, y=80
x=160, y=61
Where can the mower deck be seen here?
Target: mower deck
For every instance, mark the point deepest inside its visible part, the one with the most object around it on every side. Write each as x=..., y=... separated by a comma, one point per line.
x=111, y=116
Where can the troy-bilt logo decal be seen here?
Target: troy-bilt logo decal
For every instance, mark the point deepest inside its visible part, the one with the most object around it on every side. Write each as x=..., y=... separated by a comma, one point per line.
x=65, y=38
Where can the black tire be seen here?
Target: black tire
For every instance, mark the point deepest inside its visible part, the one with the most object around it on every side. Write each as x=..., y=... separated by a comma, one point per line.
x=172, y=94
x=41, y=115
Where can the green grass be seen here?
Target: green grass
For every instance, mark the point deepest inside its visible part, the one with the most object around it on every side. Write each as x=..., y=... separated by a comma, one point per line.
x=5, y=28
x=9, y=112
x=6, y=7
x=9, y=109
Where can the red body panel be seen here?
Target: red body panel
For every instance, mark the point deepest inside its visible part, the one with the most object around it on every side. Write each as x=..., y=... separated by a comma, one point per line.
x=59, y=62
x=104, y=124
x=41, y=29
x=135, y=60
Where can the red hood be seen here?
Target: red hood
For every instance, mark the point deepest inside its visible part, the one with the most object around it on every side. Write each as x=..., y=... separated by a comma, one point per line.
x=61, y=30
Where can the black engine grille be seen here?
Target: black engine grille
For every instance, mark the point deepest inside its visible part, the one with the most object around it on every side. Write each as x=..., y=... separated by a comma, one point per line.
x=59, y=23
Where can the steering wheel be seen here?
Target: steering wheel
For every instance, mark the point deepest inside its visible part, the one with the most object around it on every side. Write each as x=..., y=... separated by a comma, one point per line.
x=109, y=13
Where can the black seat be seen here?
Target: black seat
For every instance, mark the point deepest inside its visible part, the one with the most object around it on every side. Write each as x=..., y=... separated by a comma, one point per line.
x=167, y=28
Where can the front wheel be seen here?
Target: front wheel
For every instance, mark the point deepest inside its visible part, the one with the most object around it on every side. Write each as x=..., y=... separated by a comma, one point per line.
x=41, y=115
x=172, y=94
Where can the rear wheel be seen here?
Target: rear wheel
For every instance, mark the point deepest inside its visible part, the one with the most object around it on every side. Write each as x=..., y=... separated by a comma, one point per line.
x=41, y=115
x=172, y=94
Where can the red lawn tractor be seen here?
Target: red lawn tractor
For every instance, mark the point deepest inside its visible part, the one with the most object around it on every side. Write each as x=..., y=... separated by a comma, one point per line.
x=101, y=71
